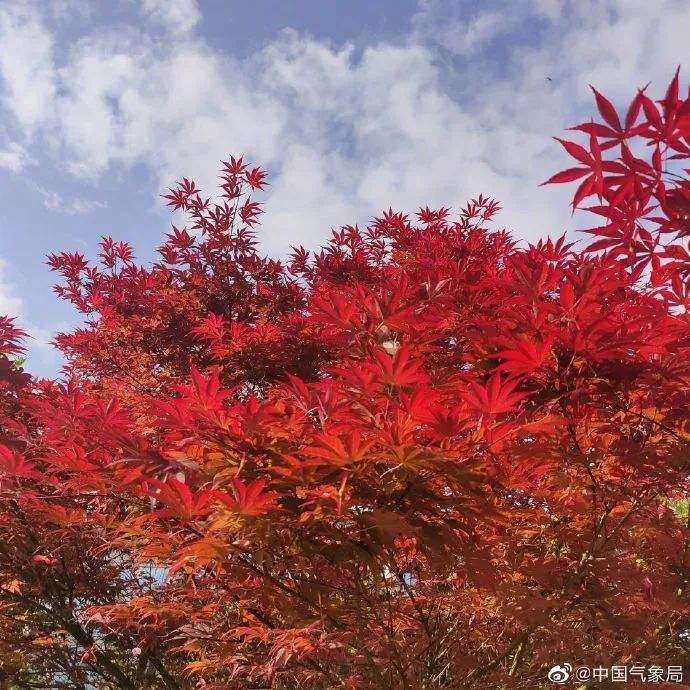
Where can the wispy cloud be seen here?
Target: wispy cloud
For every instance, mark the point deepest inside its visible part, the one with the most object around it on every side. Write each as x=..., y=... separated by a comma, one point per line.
x=461, y=28
x=72, y=207
x=14, y=157
x=178, y=16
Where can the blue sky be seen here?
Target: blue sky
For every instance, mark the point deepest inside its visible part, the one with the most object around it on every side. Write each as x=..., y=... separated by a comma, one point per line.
x=352, y=105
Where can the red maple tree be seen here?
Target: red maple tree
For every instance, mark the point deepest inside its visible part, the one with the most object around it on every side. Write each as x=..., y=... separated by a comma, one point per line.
x=425, y=457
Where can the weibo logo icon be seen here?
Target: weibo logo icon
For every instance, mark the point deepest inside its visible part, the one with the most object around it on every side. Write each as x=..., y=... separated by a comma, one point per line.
x=559, y=674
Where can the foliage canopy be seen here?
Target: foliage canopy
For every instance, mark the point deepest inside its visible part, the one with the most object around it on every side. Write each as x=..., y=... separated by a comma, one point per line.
x=425, y=457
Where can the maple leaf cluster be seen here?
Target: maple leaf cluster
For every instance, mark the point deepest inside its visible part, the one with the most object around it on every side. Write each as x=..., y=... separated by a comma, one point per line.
x=423, y=457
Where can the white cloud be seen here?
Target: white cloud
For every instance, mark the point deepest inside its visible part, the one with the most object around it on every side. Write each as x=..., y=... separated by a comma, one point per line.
x=128, y=99
x=26, y=65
